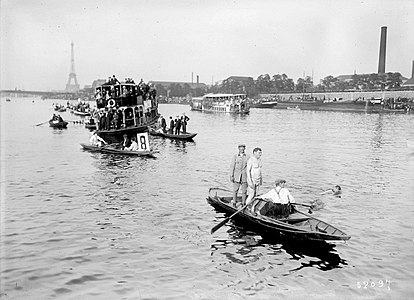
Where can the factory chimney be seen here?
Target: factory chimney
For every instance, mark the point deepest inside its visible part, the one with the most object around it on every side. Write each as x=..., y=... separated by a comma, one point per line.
x=383, y=46
x=412, y=72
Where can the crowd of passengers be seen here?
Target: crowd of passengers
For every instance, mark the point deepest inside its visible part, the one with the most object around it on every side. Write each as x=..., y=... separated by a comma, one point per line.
x=81, y=106
x=116, y=118
x=177, y=125
x=112, y=95
x=399, y=103
x=127, y=94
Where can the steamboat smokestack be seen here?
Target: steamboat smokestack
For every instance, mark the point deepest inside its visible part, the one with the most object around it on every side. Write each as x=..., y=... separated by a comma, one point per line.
x=383, y=46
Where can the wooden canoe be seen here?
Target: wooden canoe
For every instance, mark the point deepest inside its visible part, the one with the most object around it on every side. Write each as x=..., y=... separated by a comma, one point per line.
x=298, y=225
x=183, y=136
x=112, y=150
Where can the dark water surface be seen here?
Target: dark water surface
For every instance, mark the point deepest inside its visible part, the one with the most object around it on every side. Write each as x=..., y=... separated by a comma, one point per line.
x=67, y=232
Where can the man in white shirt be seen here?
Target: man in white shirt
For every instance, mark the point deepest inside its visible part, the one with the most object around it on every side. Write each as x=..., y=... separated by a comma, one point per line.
x=280, y=194
x=96, y=140
x=133, y=146
x=279, y=199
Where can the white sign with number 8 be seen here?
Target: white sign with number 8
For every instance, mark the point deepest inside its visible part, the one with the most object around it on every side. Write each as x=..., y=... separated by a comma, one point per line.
x=143, y=141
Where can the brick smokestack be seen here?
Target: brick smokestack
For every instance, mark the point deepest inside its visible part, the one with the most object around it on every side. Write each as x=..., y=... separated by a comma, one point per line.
x=383, y=46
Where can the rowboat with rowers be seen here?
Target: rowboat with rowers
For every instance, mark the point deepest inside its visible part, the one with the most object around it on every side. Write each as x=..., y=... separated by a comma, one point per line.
x=58, y=124
x=297, y=225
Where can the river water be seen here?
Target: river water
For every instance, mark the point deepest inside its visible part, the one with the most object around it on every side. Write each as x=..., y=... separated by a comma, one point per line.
x=68, y=232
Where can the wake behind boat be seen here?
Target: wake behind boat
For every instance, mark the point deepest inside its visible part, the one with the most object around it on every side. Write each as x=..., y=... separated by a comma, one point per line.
x=297, y=225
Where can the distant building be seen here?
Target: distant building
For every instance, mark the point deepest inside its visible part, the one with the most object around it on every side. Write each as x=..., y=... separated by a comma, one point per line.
x=167, y=84
x=409, y=82
x=239, y=78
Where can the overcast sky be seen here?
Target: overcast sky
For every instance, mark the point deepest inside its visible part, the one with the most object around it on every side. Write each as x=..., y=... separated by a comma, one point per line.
x=168, y=40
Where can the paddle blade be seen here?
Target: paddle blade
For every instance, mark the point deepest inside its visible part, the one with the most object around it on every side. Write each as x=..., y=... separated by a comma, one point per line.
x=215, y=228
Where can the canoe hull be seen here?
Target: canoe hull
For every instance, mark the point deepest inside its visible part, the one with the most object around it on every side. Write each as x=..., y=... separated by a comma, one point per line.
x=111, y=150
x=183, y=136
x=298, y=226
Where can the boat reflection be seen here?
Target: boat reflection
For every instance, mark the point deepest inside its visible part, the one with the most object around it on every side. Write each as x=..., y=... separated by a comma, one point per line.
x=304, y=252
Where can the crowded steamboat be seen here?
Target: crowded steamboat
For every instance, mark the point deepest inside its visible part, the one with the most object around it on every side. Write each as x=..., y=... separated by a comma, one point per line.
x=124, y=108
x=221, y=103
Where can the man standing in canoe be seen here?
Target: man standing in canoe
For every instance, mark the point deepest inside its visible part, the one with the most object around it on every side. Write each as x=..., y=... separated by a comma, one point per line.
x=238, y=174
x=254, y=174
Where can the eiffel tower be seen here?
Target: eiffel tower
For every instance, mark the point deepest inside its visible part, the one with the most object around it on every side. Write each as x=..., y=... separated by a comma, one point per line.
x=72, y=87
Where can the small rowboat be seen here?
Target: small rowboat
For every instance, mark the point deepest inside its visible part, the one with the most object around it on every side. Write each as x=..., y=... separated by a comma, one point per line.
x=80, y=113
x=182, y=136
x=58, y=124
x=112, y=150
x=298, y=225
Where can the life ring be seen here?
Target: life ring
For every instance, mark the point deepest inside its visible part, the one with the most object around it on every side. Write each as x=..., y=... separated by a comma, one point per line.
x=111, y=103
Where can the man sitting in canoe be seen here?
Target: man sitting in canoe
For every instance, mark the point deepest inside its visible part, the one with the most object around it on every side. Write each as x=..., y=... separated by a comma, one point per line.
x=278, y=201
x=126, y=143
x=96, y=140
x=133, y=146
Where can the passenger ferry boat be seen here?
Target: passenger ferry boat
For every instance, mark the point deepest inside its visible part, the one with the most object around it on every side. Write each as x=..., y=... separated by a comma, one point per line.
x=221, y=103
x=124, y=108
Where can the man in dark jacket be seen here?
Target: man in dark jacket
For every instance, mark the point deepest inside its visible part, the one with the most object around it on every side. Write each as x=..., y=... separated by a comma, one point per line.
x=178, y=125
x=171, y=129
x=184, y=122
x=163, y=124
x=126, y=142
x=238, y=175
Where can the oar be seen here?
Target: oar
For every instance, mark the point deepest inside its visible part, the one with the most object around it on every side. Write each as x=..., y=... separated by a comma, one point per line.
x=306, y=205
x=215, y=228
x=303, y=204
x=41, y=123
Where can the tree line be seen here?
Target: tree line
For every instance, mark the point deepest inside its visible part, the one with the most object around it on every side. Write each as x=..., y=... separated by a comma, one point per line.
x=281, y=83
